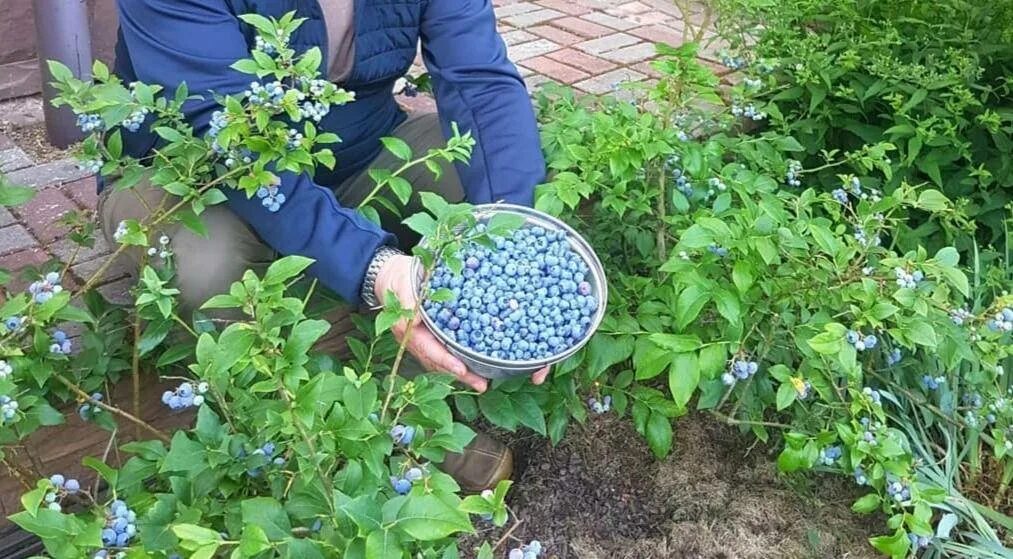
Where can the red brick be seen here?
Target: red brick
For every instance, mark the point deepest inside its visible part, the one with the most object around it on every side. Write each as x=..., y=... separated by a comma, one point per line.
x=646, y=68
x=17, y=261
x=565, y=6
x=556, y=34
x=83, y=191
x=581, y=27
x=43, y=213
x=555, y=70
x=660, y=34
x=577, y=59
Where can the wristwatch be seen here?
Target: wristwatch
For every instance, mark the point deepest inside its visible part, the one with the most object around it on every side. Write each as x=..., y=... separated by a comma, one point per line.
x=380, y=257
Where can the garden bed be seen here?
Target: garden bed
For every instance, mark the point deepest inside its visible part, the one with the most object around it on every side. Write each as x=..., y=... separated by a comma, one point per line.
x=600, y=494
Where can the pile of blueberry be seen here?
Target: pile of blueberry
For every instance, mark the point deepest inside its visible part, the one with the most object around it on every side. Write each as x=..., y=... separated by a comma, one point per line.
x=528, y=298
x=120, y=525
x=898, y=490
x=8, y=409
x=600, y=406
x=830, y=455
x=907, y=279
x=1002, y=321
x=402, y=434
x=90, y=408
x=740, y=369
x=402, y=485
x=44, y=289
x=61, y=343
x=932, y=383
x=530, y=551
x=61, y=487
x=861, y=342
x=186, y=395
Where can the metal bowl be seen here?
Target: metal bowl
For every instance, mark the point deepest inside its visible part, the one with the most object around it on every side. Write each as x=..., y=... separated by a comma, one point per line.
x=492, y=368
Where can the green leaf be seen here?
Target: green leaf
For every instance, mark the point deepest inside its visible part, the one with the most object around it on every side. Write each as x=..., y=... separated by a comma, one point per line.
x=866, y=504
x=649, y=359
x=253, y=540
x=184, y=456
x=604, y=350
x=421, y=223
x=285, y=269
x=921, y=333
x=947, y=256
x=827, y=343
x=786, y=395
x=382, y=544
x=528, y=412
x=269, y=515
x=896, y=546
x=689, y=304
x=683, y=377
x=497, y=408
x=397, y=147
x=428, y=518
x=678, y=343
x=15, y=195
x=933, y=200
x=196, y=536
x=658, y=432
x=108, y=473
x=59, y=71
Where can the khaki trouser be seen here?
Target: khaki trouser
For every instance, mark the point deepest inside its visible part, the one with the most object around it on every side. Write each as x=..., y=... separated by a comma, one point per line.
x=208, y=266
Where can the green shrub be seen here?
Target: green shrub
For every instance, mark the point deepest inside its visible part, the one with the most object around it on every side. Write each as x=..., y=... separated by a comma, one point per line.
x=735, y=292
x=932, y=78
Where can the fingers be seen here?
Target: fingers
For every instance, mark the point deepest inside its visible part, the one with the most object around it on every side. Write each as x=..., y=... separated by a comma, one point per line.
x=435, y=357
x=540, y=375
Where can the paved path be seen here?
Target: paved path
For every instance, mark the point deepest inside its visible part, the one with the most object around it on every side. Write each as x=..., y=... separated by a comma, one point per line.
x=589, y=44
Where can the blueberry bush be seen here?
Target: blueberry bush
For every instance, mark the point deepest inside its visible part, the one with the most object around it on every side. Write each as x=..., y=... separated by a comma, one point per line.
x=931, y=78
x=743, y=287
x=759, y=274
x=291, y=454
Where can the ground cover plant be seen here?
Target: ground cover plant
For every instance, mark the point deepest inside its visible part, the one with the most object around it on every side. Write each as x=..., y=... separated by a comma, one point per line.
x=741, y=285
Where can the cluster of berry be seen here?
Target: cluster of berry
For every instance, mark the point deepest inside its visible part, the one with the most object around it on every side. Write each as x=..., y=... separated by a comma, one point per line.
x=526, y=298
x=120, y=232
x=162, y=251
x=864, y=239
x=120, y=527
x=6, y=369
x=317, y=87
x=716, y=185
x=909, y=280
x=752, y=83
x=893, y=357
x=932, y=383
x=717, y=250
x=600, y=406
x=271, y=197
x=749, y=111
x=8, y=410
x=959, y=316
x=267, y=450
x=268, y=95
x=136, y=119
x=410, y=90
x=294, y=140
x=682, y=183
x=402, y=434
x=732, y=62
x=860, y=477
x=89, y=123
x=402, y=485
x=919, y=542
x=104, y=554
x=898, y=490
x=185, y=396
x=1002, y=321
x=61, y=487
x=861, y=342
x=265, y=47
x=315, y=111
x=740, y=369
x=530, y=551
x=870, y=429
x=61, y=343
x=830, y=455
x=873, y=395
x=44, y=289
x=219, y=120
x=792, y=177
x=87, y=410
x=854, y=187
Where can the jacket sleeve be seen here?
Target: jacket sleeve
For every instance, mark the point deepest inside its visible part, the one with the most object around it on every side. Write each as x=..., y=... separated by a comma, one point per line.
x=196, y=41
x=477, y=87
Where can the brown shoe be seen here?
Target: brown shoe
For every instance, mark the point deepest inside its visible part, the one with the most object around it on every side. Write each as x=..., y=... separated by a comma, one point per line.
x=484, y=463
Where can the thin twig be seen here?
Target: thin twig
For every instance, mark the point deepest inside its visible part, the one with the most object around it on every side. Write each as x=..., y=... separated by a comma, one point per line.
x=135, y=372
x=125, y=415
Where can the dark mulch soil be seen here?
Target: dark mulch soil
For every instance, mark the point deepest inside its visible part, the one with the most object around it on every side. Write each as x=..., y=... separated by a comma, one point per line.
x=601, y=494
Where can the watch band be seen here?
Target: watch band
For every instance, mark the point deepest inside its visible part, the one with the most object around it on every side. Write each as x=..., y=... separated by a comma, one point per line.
x=380, y=257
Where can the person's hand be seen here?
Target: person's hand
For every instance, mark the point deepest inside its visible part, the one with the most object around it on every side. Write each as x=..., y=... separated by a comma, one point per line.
x=395, y=276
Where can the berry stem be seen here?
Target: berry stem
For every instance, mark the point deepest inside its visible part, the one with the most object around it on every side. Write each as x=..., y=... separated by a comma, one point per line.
x=125, y=415
x=135, y=371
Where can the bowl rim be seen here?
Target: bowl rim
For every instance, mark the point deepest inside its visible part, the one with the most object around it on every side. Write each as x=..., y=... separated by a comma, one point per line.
x=485, y=211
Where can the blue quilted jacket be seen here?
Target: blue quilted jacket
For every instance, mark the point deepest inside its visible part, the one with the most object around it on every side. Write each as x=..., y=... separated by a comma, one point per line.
x=195, y=41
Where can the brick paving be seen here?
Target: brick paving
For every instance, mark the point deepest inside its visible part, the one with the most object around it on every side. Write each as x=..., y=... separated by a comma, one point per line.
x=587, y=44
